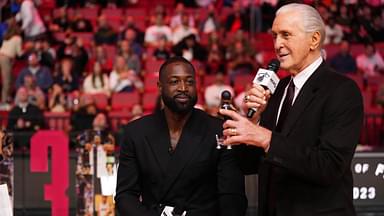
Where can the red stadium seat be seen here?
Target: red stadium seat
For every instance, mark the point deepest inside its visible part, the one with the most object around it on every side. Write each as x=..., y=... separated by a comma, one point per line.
x=149, y=101
x=101, y=100
x=153, y=65
x=357, y=49
x=124, y=100
x=118, y=118
x=58, y=120
x=112, y=12
x=331, y=50
x=358, y=78
x=241, y=81
x=138, y=13
x=264, y=42
x=150, y=82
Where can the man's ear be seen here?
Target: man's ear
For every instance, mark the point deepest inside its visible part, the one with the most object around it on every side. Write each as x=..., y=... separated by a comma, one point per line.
x=315, y=40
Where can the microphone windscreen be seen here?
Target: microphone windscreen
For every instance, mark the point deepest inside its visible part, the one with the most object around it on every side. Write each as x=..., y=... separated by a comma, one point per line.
x=226, y=95
x=274, y=65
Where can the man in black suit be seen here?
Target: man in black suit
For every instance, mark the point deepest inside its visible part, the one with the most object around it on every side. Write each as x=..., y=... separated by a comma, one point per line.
x=1, y=145
x=302, y=138
x=169, y=158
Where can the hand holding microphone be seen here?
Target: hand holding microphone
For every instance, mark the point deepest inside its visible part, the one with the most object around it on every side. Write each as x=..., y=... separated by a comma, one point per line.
x=265, y=80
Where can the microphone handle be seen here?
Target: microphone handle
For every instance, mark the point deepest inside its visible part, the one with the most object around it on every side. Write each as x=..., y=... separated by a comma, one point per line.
x=252, y=111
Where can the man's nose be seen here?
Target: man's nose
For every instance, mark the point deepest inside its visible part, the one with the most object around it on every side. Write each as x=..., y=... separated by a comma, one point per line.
x=277, y=43
x=183, y=86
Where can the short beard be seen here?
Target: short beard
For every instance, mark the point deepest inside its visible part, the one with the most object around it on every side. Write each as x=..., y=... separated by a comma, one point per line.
x=179, y=108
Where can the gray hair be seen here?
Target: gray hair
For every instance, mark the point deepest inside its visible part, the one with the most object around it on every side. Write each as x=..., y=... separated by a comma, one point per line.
x=312, y=20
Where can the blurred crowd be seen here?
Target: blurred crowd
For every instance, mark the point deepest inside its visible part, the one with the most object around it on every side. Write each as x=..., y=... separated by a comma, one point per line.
x=56, y=55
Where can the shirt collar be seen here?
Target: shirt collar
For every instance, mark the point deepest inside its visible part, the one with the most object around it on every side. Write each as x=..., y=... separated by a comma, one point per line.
x=300, y=79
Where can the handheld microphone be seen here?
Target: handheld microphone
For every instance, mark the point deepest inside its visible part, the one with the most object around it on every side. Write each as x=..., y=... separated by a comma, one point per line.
x=268, y=79
x=226, y=100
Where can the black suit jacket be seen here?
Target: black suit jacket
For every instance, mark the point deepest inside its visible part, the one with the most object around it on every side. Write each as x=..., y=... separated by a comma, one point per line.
x=197, y=177
x=311, y=156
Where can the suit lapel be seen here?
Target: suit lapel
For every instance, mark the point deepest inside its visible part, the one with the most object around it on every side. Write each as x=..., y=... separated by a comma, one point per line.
x=306, y=95
x=187, y=147
x=159, y=140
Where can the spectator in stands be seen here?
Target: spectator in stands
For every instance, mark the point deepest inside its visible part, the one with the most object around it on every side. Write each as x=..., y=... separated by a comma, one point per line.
x=211, y=22
x=10, y=48
x=100, y=55
x=232, y=49
x=35, y=95
x=212, y=94
x=46, y=53
x=57, y=99
x=334, y=32
x=154, y=32
x=343, y=61
x=215, y=63
x=41, y=74
x=344, y=19
x=130, y=35
x=121, y=79
x=101, y=125
x=82, y=119
x=190, y=49
x=97, y=81
x=240, y=63
x=65, y=76
x=254, y=12
x=64, y=50
x=237, y=19
x=61, y=21
x=364, y=17
x=130, y=23
x=161, y=52
x=73, y=48
x=132, y=60
x=104, y=34
x=370, y=63
x=177, y=18
x=80, y=23
x=32, y=24
x=183, y=30
x=24, y=116
x=357, y=34
x=377, y=29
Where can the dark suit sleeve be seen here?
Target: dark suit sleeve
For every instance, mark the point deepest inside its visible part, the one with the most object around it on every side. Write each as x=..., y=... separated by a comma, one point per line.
x=336, y=137
x=128, y=181
x=232, y=199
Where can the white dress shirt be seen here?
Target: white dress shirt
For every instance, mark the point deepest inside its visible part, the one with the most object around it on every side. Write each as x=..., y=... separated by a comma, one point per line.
x=299, y=81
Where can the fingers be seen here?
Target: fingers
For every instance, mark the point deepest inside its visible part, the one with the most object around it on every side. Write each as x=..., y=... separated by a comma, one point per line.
x=230, y=113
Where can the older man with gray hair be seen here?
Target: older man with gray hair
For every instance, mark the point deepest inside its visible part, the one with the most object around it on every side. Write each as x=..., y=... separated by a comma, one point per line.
x=302, y=138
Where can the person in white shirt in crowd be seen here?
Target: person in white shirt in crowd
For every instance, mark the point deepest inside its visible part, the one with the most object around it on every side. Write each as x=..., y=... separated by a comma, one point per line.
x=156, y=31
x=176, y=19
x=32, y=24
x=334, y=32
x=212, y=94
x=210, y=23
x=183, y=30
x=97, y=81
x=11, y=47
x=370, y=63
x=121, y=79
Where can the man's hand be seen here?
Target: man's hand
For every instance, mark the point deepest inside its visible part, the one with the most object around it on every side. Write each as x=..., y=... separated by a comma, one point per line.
x=241, y=130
